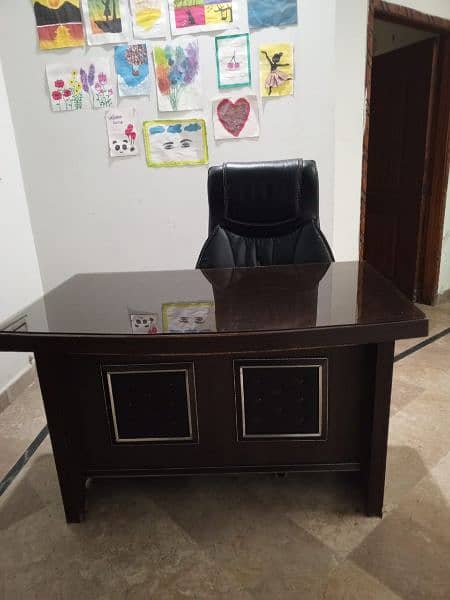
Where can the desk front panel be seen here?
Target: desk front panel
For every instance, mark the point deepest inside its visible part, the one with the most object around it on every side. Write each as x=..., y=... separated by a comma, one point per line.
x=225, y=412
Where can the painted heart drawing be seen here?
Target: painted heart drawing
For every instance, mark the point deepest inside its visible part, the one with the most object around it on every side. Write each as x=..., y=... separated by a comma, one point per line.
x=233, y=115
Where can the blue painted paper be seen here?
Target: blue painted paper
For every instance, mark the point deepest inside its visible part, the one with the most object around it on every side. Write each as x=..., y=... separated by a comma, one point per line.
x=131, y=62
x=267, y=13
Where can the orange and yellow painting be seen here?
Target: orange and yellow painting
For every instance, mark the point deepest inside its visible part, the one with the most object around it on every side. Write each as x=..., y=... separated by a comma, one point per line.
x=58, y=23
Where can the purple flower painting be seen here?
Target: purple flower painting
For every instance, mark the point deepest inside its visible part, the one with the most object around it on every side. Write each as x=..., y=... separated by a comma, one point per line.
x=178, y=76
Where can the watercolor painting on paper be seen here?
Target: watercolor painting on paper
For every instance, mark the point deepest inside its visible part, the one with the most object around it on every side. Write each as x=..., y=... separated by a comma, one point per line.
x=122, y=132
x=106, y=21
x=236, y=118
x=68, y=91
x=172, y=143
x=233, y=61
x=195, y=16
x=188, y=317
x=276, y=69
x=58, y=23
x=149, y=19
x=131, y=62
x=266, y=13
x=177, y=75
x=97, y=77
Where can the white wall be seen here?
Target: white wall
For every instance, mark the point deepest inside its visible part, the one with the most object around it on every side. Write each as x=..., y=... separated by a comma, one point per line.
x=90, y=213
x=351, y=46
x=20, y=281
x=392, y=36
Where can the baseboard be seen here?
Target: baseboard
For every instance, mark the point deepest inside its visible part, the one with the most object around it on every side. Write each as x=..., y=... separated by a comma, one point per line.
x=17, y=386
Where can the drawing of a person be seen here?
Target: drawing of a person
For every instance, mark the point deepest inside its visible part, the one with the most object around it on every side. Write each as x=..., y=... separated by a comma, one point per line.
x=107, y=11
x=276, y=77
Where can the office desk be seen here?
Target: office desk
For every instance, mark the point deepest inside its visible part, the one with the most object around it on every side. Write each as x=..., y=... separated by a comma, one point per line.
x=261, y=369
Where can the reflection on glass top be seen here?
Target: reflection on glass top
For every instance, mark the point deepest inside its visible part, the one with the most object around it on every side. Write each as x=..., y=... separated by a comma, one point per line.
x=217, y=300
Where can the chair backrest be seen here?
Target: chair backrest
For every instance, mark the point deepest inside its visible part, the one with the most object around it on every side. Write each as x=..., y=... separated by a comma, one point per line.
x=265, y=198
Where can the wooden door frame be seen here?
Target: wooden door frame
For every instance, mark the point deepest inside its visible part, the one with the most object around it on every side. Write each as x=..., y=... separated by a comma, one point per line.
x=437, y=154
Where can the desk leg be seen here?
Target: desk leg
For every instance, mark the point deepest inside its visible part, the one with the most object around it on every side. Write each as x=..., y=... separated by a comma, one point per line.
x=63, y=418
x=378, y=435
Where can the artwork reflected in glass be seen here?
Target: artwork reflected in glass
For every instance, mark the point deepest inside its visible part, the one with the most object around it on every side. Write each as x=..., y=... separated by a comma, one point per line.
x=177, y=75
x=172, y=143
x=144, y=323
x=233, y=61
x=131, y=62
x=58, y=23
x=188, y=317
x=276, y=69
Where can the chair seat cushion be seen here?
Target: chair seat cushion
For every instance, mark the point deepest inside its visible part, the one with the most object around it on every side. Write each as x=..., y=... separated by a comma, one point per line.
x=225, y=249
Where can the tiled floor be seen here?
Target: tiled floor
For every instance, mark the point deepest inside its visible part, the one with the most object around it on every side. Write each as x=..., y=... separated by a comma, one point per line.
x=247, y=537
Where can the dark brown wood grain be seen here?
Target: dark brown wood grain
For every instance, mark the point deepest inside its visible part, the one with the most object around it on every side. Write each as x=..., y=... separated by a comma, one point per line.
x=436, y=177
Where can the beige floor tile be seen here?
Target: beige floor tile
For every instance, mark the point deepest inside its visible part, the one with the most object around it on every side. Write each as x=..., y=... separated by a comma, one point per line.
x=406, y=558
x=428, y=504
x=403, y=392
x=263, y=549
x=349, y=582
x=20, y=423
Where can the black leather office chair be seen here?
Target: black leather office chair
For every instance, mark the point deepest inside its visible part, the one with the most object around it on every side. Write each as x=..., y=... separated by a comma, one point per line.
x=264, y=213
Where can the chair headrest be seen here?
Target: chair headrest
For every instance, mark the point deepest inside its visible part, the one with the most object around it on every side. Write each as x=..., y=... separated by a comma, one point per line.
x=263, y=193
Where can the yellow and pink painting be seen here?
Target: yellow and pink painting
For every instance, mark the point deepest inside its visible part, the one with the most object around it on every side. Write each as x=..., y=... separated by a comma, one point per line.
x=193, y=16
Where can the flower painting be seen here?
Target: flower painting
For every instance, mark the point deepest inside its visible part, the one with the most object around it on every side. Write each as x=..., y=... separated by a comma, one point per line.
x=106, y=21
x=175, y=143
x=58, y=23
x=66, y=88
x=122, y=135
x=233, y=60
x=99, y=82
x=177, y=75
x=195, y=16
x=149, y=19
x=131, y=63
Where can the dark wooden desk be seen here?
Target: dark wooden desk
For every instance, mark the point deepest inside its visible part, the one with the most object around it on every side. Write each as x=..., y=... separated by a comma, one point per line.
x=294, y=373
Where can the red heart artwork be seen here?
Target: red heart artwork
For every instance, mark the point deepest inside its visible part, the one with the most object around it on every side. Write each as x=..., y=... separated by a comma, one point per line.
x=233, y=115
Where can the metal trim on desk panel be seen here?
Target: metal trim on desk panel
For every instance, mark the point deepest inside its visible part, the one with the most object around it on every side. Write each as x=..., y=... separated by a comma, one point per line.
x=316, y=436
x=122, y=440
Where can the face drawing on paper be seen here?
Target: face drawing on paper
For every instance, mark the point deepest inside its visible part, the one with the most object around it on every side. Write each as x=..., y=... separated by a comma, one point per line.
x=233, y=63
x=121, y=133
x=105, y=16
x=144, y=324
x=177, y=76
x=179, y=142
x=131, y=63
x=190, y=317
x=59, y=23
x=276, y=70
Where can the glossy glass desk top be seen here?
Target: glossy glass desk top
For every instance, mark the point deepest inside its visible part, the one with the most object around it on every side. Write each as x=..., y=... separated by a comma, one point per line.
x=258, y=299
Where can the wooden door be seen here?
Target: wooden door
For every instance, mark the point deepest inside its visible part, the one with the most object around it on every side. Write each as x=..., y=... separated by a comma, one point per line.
x=396, y=177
